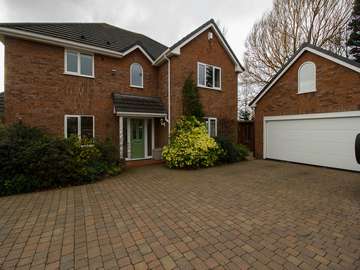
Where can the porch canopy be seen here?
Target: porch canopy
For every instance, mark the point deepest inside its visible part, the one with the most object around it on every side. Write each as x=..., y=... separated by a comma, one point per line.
x=133, y=106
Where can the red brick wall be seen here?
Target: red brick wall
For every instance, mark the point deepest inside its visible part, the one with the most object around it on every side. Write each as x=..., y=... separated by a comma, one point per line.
x=337, y=90
x=220, y=104
x=38, y=93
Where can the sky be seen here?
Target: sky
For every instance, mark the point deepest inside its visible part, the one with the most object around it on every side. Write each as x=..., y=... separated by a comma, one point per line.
x=163, y=20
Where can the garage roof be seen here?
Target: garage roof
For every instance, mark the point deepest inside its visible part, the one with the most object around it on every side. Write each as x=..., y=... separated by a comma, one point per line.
x=313, y=49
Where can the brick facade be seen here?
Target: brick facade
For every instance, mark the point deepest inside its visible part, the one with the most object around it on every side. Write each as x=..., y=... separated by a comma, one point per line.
x=39, y=93
x=220, y=104
x=337, y=91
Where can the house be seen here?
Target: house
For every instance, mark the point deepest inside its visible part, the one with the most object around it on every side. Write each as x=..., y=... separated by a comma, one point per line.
x=310, y=111
x=97, y=80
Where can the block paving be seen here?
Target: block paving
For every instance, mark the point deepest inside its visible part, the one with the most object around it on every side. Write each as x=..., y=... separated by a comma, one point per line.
x=250, y=215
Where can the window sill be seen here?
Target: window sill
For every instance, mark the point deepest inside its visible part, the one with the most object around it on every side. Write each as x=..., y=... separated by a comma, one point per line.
x=134, y=86
x=307, y=92
x=79, y=75
x=210, y=88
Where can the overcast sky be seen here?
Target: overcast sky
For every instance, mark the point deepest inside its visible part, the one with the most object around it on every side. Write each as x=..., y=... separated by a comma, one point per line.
x=163, y=20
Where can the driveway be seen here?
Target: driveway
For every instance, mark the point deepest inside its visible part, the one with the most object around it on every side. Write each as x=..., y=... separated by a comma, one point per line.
x=257, y=215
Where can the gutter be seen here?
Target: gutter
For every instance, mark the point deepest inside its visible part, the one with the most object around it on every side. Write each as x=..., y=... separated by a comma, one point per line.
x=168, y=120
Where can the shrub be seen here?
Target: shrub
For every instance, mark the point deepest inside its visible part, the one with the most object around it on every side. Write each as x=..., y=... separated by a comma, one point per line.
x=190, y=146
x=31, y=160
x=231, y=152
x=191, y=102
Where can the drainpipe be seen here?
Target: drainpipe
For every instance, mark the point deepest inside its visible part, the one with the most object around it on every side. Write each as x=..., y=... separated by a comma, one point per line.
x=168, y=120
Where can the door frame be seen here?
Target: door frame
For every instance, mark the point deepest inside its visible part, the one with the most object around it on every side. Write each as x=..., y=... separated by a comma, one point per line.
x=267, y=119
x=128, y=135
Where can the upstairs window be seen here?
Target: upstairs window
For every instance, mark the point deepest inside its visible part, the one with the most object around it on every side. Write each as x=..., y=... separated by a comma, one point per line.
x=307, y=78
x=211, y=126
x=80, y=64
x=136, y=76
x=82, y=126
x=209, y=76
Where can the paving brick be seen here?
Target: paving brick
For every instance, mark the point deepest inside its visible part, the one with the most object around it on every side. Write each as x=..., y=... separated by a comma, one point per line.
x=94, y=225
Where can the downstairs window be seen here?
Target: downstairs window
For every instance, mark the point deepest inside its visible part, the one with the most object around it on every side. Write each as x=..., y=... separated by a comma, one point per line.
x=211, y=126
x=82, y=126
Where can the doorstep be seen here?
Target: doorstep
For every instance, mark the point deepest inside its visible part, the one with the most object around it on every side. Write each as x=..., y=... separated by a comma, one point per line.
x=142, y=163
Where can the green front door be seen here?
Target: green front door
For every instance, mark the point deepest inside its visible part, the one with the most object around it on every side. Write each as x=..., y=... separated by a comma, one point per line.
x=137, y=138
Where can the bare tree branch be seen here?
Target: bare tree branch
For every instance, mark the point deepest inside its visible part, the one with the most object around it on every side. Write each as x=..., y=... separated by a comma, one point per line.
x=280, y=32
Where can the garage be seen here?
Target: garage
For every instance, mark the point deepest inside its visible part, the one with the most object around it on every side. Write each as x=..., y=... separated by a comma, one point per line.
x=309, y=112
x=318, y=139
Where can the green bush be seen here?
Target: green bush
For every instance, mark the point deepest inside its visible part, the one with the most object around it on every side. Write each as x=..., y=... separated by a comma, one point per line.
x=190, y=146
x=31, y=160
x=231, y=152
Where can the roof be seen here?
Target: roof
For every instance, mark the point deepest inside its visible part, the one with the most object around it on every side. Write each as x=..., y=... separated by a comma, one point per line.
x=200, y=29
x=138, y=104
x=303, y=48
x=95, y=34
x=2, y=103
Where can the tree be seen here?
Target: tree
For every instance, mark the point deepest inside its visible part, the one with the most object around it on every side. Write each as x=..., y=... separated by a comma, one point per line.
x=246, y=93
x=290, y=23
x=191, y=101
x=354, y=27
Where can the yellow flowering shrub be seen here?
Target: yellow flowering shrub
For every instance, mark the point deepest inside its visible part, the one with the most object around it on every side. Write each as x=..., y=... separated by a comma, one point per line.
x=191, y=146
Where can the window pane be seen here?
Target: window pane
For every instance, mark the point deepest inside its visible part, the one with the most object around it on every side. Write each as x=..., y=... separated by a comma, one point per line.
x=201, y=74
x=72, y=126
x=87, y=127
x=217, y=77
x=212, y=127
x=209, y=76
x=86, y=64
x=141, y=129
x=71, y=62
x=136, y=75
x=307, y=78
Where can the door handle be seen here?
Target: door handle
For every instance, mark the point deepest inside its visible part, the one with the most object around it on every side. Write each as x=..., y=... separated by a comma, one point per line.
x=357, y=148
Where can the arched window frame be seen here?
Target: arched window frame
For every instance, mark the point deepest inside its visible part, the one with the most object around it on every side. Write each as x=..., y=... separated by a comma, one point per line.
x=303, y=91
x=131, y=76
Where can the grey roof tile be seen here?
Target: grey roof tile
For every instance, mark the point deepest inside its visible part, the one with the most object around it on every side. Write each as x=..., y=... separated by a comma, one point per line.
x=138, y=104
x=95, y=34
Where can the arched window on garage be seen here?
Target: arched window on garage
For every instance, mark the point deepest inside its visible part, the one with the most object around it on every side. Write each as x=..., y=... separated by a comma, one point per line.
x=136, y=75
x=307, y=78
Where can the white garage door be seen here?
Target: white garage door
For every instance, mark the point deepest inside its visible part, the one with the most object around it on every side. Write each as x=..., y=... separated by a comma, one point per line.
x=318, y=139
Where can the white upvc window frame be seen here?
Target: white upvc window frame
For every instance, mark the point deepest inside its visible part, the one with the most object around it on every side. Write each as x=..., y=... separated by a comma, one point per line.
x=300, y=91
x=78, y=116
x=208, y=125
x=142, y=76
x=78, y=73
x=213, y=68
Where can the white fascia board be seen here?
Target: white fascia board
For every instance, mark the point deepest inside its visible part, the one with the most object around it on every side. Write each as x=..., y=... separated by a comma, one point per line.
x=329, y=57
x=57, y=41
x=336, y=60
x=142, y=50
x=177, y=50
x=313, y=116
